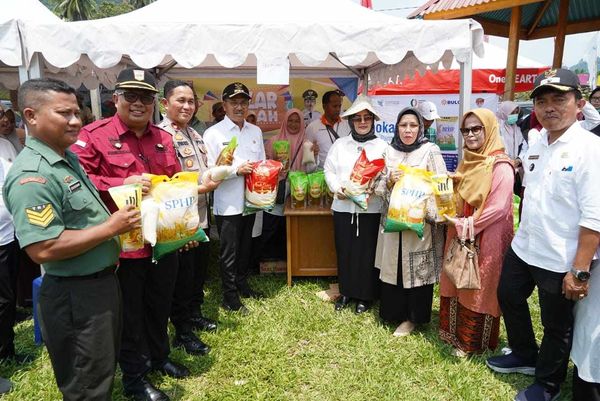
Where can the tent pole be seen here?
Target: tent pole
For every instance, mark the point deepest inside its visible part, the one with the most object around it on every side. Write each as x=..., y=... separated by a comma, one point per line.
x=513, y=52
x=95, y=100
x=35, y=67
x=352, y=69
x=559, y=41
x=466, y=87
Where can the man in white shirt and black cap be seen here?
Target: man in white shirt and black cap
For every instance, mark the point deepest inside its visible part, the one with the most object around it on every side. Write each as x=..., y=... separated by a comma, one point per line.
x=430, y=114
x=235, y=229
x=310, y=100
x=557, y=241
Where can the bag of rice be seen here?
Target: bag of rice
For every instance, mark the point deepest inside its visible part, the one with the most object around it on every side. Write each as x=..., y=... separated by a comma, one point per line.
x=226, y=156
x=298, y=188
x=308, y=154
x=408, y=200
x=261, y=186
x=316, y=186
x=361, y=177
x=123, y=195
x=178, y=221
x=218, y=173
x=281, y=153
x=444, y=196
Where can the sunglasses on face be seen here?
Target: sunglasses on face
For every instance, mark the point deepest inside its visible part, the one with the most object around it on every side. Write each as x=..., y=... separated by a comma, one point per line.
x=476, y=130
x=132, y=97
x=358, y=119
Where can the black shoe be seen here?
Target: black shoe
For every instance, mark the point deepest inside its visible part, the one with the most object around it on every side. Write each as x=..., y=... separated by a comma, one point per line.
x=250, y=293
x=342, y=302
x=191, y=344
x=143, y=390
x=173, y=369
x=235, y=307
x=19, y=359
x=362, y=306
x=202, y=323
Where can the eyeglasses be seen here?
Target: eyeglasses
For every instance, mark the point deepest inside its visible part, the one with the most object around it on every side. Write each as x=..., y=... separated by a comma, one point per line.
x=2, y=114
x=357, y=119
x=241, y=103
x=131, y=97
x=408, y=126
x=476, y=130
x=595, y=99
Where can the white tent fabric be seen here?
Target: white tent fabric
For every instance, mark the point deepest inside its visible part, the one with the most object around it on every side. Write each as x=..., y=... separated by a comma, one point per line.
x=15, y=18
x=195, y=33
x=495, y=57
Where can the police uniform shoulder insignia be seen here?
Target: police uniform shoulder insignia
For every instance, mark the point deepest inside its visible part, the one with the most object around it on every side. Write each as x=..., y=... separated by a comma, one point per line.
x=189, y=163
x=40, y=215
x=178, y=137
x=39, y=180
x=187, y=151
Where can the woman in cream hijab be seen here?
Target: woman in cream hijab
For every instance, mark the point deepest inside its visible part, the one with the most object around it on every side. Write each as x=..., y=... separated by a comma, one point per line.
x=470, y=319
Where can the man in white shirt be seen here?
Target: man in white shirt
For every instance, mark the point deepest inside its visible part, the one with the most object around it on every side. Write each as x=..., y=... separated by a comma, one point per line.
x=557, y=240
x=310, y=100
x=326, y=130
x=235, y=229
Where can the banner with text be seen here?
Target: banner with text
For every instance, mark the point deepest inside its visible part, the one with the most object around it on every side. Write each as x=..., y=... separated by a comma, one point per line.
x=447, y=132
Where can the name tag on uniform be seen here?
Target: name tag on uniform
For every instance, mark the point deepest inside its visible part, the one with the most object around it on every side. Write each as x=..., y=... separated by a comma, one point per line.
x=75, y=186
x=534, y=157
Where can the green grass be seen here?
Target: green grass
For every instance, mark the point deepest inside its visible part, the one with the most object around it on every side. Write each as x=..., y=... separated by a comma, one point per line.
x=293, y=346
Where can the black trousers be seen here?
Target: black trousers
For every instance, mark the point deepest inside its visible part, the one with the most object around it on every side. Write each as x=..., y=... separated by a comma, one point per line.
x=517, y=282
x=584, y=391
x=8, y=297
x=274, y=241
x=235, y=234
x=189, y=286
x=80, y=321
x=147, y=290
x=357, y=275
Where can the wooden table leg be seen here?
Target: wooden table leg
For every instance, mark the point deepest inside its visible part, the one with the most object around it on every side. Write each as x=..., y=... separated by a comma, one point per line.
x=289, y=249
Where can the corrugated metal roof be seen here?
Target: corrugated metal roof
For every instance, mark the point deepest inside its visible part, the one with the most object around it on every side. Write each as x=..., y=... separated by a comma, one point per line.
x=434, y=6
x=579, y=10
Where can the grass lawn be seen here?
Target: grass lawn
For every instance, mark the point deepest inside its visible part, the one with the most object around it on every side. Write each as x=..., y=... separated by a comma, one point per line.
x=293, y=346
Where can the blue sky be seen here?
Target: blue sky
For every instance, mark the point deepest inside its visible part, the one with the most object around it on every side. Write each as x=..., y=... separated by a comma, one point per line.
x=540, y=50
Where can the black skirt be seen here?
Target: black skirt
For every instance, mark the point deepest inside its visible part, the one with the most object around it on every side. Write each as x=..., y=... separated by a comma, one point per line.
x=357, y=275
x=399, y=304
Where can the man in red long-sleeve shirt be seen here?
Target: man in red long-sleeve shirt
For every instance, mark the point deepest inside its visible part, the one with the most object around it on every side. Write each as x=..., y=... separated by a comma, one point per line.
x=118, y=151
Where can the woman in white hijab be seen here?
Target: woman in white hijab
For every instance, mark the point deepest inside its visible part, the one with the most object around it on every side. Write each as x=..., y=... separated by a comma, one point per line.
x=508, y=114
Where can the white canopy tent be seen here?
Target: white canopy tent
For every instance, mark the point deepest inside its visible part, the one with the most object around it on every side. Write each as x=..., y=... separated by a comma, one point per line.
x=329, y=36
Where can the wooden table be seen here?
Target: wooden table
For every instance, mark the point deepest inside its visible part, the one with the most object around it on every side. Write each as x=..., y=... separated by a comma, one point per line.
x=310, y=242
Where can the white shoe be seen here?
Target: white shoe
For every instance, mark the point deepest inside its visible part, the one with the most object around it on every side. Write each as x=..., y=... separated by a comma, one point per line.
x=404, y=329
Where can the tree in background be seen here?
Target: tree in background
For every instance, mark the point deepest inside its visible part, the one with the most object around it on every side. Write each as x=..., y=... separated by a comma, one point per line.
x=75, y=10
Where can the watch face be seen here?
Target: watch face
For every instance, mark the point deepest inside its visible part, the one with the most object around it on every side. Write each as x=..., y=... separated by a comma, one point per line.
x=583, y=276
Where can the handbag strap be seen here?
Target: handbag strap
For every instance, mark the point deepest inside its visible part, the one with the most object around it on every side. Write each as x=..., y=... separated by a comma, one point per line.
x=465, y=229
x=471, y=229
x=292, y=163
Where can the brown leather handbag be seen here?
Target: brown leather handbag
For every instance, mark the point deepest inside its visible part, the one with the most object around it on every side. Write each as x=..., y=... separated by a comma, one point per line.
x=461, y=263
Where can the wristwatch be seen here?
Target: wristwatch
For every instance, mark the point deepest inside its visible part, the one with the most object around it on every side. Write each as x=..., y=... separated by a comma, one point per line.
x=580, y=275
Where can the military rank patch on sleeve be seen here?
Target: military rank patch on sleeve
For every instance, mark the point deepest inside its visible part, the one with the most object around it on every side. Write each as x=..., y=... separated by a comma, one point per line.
x=40, y=215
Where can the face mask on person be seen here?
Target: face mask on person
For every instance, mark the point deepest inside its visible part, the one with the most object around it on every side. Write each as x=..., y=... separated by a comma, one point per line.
x=512, y=119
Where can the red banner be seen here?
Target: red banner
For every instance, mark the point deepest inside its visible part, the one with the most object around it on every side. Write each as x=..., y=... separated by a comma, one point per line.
x=448, y=81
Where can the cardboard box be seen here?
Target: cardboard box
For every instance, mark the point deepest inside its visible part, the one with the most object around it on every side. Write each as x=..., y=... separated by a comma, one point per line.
x=273, y=266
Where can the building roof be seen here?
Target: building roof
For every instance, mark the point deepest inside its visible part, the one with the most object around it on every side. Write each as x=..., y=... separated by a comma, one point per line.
x=539, y=18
